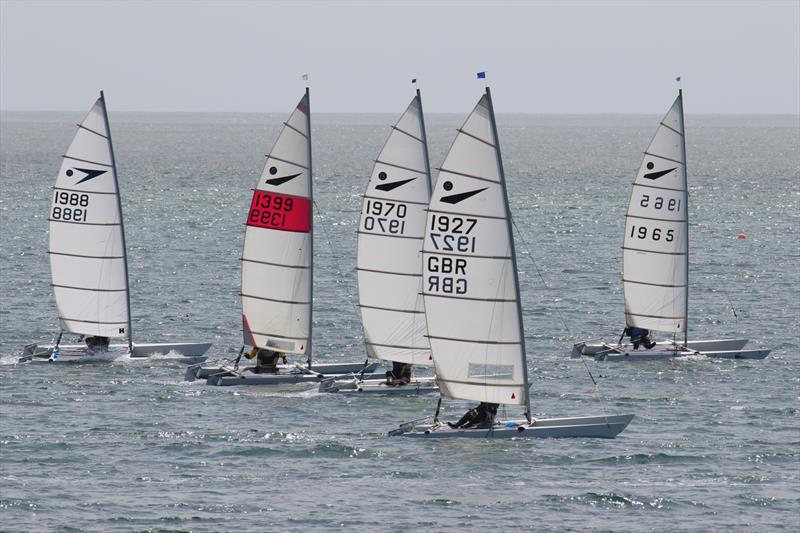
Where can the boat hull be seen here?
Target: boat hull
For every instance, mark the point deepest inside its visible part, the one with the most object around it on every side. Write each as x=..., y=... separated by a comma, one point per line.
x=230, y=377
x=593, y=348
x=600, y=427
x=416, y=387
x=205, y=371
x=666, y=354
x=188, y=352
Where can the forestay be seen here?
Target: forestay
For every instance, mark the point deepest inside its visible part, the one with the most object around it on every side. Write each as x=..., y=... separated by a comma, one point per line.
x=390, y=245
x=87, y=246
x=470, y=288
x=277, y=255
x=655, y=248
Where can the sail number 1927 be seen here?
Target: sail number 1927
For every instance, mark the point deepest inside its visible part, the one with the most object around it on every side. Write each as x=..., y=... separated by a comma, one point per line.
x=69, y=206
x=449, y=233
x=452, y=233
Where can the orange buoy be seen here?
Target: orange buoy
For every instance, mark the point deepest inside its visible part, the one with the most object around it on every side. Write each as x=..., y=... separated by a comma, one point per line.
x=741, y=236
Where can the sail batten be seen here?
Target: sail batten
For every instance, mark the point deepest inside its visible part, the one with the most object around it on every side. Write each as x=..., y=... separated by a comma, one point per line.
x=390, y=233
x=655, y=244
x=88, y=263
x=277, y=270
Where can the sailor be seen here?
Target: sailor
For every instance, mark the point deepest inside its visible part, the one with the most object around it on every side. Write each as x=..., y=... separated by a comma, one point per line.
x=266, y=361
x=400, y=374
x=97, y=344
x=480, y=417
x=640, y=336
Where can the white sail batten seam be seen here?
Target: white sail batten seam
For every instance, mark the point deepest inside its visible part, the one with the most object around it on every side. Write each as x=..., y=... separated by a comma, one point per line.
x=273, y=300
x=664, y=157
x=391, y=272
x=484, y=141
x=673, y=220
x=295, y=129
x=90, y=289
x=284, y=161
x=279, y=265
x=392, y=309
x=400, y=167
x=87, y=161
x=652, y=251
x=92, y=131
x=395, y=128
x=442, y=169
x=375, y=234
x=397, y=200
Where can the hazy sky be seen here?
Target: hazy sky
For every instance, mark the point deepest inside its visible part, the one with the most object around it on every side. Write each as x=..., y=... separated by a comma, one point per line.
x=541, y=57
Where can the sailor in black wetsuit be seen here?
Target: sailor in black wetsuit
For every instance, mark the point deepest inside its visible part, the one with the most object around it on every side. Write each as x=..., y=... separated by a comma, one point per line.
x=97, y=344
x=266, y=362
x=480, y=417
x=400, y=374
x=640, y=336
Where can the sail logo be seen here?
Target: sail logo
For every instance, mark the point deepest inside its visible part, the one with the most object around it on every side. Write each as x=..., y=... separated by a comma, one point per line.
x=90, y=174
x=458, y=197
x=280, y=180
x=392, y=185
x=658, y=174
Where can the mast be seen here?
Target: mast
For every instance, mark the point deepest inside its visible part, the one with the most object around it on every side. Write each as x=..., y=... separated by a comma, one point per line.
x=424, y=142
x=686, y=204
x=311, y=225
x=121, y=224
x=513, y=252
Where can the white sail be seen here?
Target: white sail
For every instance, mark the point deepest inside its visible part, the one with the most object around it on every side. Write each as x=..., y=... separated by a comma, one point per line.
x=470, y=286
x=87, y=245
x=390, y=237
x=277, y=255
x=655, y=248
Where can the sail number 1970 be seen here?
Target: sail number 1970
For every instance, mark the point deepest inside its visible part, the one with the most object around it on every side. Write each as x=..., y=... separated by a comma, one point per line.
x=383, y=216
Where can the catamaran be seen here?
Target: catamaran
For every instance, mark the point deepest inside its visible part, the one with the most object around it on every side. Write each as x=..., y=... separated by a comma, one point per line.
x=277, y=268
x=88, y=258
x=655, y=253
x=389, y=263
x=472, y=299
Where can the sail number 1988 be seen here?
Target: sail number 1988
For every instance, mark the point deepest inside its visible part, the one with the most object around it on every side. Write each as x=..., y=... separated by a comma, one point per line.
x=69, y=206
x=452, y=233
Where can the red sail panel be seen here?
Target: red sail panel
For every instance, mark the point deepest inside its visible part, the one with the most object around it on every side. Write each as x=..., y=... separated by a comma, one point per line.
x=280, y=211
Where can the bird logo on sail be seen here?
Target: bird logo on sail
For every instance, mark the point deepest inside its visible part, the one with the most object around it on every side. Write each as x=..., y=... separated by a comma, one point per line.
x=90, y=173
x=392, y=185
x=658, y=174
x=458, y=197
x=281, y=179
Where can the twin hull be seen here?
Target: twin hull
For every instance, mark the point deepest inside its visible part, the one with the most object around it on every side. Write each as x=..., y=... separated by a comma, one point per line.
x=602, y=427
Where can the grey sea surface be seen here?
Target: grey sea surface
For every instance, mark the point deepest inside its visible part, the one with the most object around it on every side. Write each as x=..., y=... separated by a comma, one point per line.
x=130, y=446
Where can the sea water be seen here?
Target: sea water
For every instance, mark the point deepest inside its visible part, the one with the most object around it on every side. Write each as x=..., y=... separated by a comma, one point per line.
x=128, y=445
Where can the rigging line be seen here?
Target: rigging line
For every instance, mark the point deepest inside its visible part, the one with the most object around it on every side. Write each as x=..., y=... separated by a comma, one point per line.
x=558, y=311
x=539, y=272
x=730, y=302
x=340, y=275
